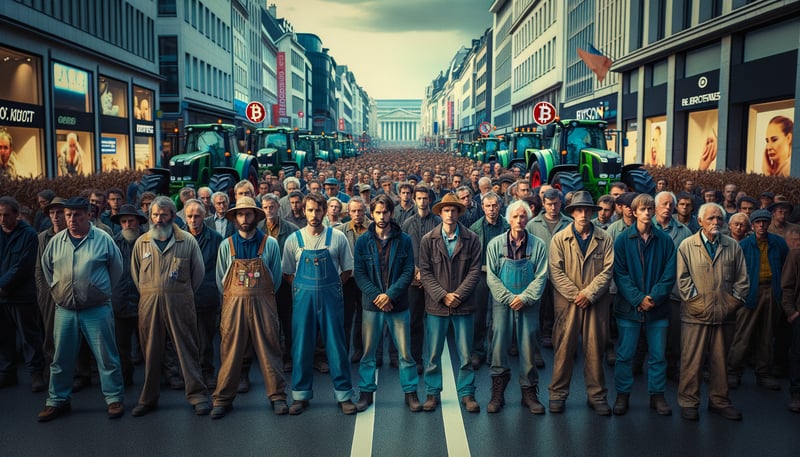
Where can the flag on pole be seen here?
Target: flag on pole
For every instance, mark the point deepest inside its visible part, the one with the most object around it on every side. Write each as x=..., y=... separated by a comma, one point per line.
x=596, y=61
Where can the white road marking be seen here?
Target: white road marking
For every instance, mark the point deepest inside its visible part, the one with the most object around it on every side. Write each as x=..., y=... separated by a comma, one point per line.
x=365, y=427
x=454, y=432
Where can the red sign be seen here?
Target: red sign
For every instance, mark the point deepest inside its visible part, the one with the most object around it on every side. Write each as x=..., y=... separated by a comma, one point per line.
x=281, y=84
x=450, y=114
x=485, y=128
x=544, y=113
x=256, y=112
x=341, y=124
x=300, y=114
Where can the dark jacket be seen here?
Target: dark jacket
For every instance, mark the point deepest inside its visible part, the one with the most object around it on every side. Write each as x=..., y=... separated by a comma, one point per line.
x=441, y=274
x=656, y=278
x=17, y=264
x=125, y=296
x=367, y=268
x=229, y=229
x=777, y=250
x=206, y=297
x=417, y=227
x=285, y=229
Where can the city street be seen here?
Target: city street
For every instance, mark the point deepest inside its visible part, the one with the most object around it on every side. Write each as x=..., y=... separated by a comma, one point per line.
x=389, y=429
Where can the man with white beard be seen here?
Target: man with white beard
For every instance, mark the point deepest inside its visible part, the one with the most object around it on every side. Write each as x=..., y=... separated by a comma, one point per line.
x=167, y=268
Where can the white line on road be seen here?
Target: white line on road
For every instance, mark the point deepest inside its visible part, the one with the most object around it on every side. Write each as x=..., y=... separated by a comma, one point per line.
x=454, y=432
x=365, y=426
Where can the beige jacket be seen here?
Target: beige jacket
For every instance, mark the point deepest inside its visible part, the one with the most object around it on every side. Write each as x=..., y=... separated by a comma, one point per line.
x=571, y=272
x=711, y=290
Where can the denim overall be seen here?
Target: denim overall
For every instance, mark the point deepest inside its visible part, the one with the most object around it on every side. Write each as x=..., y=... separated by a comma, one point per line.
x=318, y=307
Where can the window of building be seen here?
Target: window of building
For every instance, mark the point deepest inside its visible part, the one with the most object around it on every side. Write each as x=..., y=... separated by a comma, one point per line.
x=168, y=64
x=72, y=99
x=21, y=126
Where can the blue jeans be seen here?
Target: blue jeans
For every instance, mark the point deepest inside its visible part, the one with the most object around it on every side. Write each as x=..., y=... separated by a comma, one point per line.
x=97, y=326
x=435, y=335
x=372, y=331
x=527, y=332
x=656, y=333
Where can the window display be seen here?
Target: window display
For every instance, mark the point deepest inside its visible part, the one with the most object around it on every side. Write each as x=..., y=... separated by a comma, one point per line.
x=655, y=152
x=770, y=134
x=145, y=130
x=21, y=115
x=701, y=147
x=113, y=97
x=73, y=158
x=114, y=151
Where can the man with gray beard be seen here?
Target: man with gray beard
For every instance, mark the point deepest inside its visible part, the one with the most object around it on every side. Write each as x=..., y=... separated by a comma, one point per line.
x=125, y=297
x=167, y=268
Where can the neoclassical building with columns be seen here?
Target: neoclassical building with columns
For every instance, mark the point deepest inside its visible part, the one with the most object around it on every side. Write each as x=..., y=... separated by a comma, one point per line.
x=398, y=122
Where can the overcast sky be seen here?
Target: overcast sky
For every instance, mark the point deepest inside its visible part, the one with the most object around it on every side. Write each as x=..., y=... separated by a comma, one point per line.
x=395, y=48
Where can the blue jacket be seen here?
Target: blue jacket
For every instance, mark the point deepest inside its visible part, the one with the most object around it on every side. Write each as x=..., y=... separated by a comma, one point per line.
x=367, y=268
x=777, y=250
x=638, y=275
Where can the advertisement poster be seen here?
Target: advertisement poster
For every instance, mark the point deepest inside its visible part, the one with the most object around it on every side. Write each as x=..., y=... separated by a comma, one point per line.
x=632, y=137
x=75, y=151
x=113, y=97
x=19, y=152
x=701, y=147
x=770, y=134
x=655, y=152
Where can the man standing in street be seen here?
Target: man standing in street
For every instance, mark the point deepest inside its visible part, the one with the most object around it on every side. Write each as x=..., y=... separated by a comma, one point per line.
x=383, y=265
x=248, y=273
x=581, y=266
x=644, y=271
x=217, y=221
x=82, y=266
x=765, y=254
x=790, y=301
x=450, y=265
x=491, y=225
x=19, y=315
x=316, y=262
x=167, y=267
x=206, y=298
x=516, y=273
x=712, y=280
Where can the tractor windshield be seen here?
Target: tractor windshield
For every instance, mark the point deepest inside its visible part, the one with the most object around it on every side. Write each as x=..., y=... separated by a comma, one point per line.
x=580, y=138
x=206, y=141
x=273, y=141
x=491, y=146
x=527, y=142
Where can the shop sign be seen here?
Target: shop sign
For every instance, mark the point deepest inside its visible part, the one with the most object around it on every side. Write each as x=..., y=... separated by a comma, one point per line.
x=145, y=129
x=698, y=92
x=14, y=114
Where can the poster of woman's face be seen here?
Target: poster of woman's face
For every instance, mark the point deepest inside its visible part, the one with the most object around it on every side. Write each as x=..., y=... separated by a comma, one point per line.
x=655, y=151
x=701, y=147
x=772, y=132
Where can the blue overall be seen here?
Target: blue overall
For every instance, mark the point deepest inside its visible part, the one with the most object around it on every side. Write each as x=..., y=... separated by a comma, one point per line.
x=318, y=307
x=516, y=275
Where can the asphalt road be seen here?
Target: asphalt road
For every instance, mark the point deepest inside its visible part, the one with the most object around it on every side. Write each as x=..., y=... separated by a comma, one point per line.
x=389, y=429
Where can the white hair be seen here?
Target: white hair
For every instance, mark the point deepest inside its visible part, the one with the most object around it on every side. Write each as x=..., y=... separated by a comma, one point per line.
x=519, y=204
x=702, y=211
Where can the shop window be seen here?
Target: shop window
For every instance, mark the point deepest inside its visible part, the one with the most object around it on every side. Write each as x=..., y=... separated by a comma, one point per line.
x=21, y=115
x=74, y=120
x=144, y=139
x=74, y=153
x=113, y=97
x=656, y=141
x=701, y=142
x=769, y=138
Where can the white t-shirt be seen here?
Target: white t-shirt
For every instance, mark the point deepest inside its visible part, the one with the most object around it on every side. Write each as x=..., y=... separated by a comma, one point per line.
x=339, y=250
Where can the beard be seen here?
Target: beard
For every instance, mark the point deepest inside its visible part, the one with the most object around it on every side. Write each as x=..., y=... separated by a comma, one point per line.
x=130, y=235
x=161, y=232
x=248, y=228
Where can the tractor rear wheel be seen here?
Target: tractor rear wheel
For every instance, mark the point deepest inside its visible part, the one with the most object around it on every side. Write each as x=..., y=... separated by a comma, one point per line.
x=639, y=180
x=567, y=181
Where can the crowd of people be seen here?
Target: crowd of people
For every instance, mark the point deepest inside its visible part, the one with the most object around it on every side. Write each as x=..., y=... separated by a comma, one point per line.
x=334, y=264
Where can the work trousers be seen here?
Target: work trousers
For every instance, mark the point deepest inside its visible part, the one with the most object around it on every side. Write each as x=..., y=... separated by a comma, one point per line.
x=696, y=341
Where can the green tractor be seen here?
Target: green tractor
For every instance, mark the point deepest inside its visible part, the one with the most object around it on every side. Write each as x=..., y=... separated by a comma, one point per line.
x=520, y=142
x=277, y=148
x=488, y=148
x=211, y=158
x=578, y=159
x=321, y=145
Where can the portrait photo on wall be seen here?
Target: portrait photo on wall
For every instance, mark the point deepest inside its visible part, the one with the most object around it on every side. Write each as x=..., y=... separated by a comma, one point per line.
x=20, y=152
x=770, y=134
x=113, y=97
x=701, y=147
x=142, y=104
x=655, y=153
x=74, y=153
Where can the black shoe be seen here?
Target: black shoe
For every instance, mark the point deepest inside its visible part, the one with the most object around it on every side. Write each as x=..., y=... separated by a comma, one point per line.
x=298, y=406
x=218, y=412
x=51, y=412
x=622, y=403
x=140, y=410
x=659, y=403
x=202, y=408
x=690, y=414
x=728, y=412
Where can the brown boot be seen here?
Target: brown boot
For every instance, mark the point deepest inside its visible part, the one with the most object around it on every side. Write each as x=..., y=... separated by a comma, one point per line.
x=364, y=400
x=530, y=398
x=413, y=402
x=622, y=403
x=499, y=384
x=470, y=404
x=430, y=403
x=659, y=403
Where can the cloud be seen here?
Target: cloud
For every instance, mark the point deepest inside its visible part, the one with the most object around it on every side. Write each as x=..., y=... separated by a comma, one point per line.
x=469, y=17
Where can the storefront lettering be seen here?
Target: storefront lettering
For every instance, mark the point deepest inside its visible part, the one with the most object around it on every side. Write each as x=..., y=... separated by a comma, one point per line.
x=590, y=114
x=16, y=115
x=144, y=128
x=698, y=99
x=67, y=120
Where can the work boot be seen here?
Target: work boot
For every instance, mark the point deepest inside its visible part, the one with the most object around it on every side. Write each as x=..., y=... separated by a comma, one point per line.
x=470, y=404
x=413, y=402
x=364, y=400
x=497, y=401
x=768, y=382
x=430, y=403
x=530, y=398
x=659, y=403
x=794, y=404
x=622, y=403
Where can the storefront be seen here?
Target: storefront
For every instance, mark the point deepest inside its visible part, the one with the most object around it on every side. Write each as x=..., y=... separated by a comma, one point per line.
x=22, y=112
x=696, y=107
x=144, y=140
x=74, y=121
x=114, y=106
